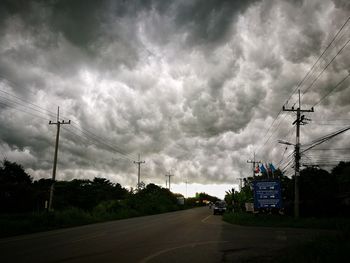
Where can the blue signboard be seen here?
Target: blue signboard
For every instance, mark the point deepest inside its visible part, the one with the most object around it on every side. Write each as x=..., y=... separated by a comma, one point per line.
x=267, y=194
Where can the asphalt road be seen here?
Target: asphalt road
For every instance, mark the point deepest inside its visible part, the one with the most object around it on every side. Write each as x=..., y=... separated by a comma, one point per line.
x=193, y=235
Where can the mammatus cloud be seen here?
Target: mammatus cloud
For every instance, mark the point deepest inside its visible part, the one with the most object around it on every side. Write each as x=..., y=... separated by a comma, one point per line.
x=191, y=85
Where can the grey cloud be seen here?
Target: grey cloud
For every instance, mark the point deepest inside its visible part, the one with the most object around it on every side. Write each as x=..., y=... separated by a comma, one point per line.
x=208, y=21
x=79, y=20
x=342, y=4
x=191, y=85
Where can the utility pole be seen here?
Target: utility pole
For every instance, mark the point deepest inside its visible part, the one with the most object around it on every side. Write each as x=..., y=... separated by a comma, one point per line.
x=58, y=123
x=139, y=162
x=253, y=162
x=169, y=175
x=298, y=122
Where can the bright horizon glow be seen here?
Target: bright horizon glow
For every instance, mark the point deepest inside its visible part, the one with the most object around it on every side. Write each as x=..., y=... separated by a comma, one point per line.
x=218, y=190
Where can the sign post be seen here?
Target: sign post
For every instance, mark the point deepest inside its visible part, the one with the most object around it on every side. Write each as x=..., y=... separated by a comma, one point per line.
x=267, y=194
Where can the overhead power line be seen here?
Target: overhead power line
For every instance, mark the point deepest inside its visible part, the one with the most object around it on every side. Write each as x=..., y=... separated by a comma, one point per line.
x=319, y=75
x=328, y=93
x=324, y=138
x=104, y=141
x=13, y=104
x=96, y=139
x=318, y=59
x=13, y=85
x=331, y=149
x=50, y=113
x=307, y=75
x=22, y=110
x=32, y=109
x=272, y=133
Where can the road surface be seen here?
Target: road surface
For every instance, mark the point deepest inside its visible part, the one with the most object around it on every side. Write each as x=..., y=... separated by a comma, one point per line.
x=193, y=235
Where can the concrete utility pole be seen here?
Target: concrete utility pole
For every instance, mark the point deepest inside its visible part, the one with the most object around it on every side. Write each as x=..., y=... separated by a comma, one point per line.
x=253, y=162
x=169, y=175
x=298, y=122
x=139, y=172
x=58, y=123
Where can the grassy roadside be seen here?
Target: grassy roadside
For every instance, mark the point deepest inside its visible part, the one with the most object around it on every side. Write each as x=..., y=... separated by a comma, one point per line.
x=17, y=224
x=249, y=219
x=321, y=249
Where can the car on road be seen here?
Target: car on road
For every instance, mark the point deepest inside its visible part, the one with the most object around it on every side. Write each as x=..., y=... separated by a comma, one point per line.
x=219, y=208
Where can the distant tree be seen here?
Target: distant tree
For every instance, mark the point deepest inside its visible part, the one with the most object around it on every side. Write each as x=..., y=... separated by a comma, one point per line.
x=243, y=196
x=102, y=189
x=16, y=193
x=152, y=199
x=86, y=194
x=342, y=176
x=229, y=199
x=41, y=190
x=278, y=173
x=178, y=195
x=287, y=189
x=207, y=197
x=74, y=193
x=317, y=189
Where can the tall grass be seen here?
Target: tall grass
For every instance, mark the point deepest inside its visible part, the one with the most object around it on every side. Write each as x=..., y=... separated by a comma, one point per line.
x=41, y=221
x=334, y=248
x=242, y=218
x=15, y=224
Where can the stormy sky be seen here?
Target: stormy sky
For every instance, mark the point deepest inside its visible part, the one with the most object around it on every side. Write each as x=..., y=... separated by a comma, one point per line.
x=194, y=86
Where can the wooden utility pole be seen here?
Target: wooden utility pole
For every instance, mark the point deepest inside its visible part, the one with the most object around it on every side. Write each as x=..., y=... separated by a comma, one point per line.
x=58, y=123
x=139, y=162
x=298, y=122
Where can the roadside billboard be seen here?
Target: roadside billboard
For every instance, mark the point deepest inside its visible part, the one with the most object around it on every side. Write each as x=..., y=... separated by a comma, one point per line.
x=267, y=194
x=180, y=200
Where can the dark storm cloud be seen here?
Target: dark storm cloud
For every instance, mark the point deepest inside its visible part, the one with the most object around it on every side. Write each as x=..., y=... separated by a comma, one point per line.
x=191, y=85
x=342, y=4
x=78, y=20
x=208, y=21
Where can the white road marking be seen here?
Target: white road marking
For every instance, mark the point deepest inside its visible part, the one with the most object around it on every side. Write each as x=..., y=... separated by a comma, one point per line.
x=203, y=220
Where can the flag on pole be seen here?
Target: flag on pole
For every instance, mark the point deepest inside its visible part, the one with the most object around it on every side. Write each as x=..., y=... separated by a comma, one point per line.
x=272, y=168
x=257, y=170
x=263, y=169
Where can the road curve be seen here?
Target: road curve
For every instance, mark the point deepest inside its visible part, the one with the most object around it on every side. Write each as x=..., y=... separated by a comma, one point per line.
x=193, y=235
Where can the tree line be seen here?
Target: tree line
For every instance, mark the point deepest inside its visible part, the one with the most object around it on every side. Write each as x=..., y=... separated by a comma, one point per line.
x=321, y=193
x=19, y=193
